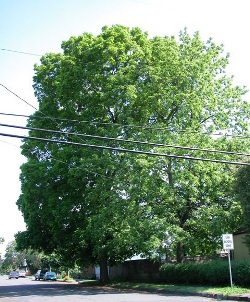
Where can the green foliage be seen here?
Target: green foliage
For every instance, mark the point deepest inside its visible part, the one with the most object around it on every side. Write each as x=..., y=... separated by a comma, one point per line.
x=214, y=273
x=78, y=273
x=242, y=190
x=13, y=258
x=181, y=273
x=51, y=262
x=88, y=204
x=241, y=272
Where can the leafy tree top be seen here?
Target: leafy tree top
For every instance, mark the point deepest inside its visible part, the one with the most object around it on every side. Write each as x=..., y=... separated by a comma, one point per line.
x=122, y=76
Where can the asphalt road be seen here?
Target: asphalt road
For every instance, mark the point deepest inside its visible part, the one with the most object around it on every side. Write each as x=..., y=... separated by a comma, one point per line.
x=29, y=290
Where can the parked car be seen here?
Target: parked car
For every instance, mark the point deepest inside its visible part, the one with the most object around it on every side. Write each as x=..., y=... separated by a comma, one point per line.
x=14, y=274
x=49, y=276
x=22, y=274
x=40, y=274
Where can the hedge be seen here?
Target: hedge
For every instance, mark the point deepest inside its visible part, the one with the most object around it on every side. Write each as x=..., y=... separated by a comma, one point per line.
x=214, y=272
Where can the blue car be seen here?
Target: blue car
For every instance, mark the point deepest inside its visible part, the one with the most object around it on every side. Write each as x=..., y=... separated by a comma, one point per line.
x=49, y=276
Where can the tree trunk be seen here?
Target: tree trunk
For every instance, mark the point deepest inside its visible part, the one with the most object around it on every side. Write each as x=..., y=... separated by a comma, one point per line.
x=104, y=276
x=170, y=174
x=179, y=252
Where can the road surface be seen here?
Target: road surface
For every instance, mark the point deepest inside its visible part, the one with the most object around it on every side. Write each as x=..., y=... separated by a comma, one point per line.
x=29, y=290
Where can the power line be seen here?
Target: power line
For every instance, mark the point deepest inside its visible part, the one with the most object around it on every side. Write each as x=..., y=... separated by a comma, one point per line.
x=63, y=162
x=27, y=102
x=127, y=140
x=8, y=143
x=126, y=150
x=122, y=125
x=116, y=124
x=18, y=96
x=21, y=52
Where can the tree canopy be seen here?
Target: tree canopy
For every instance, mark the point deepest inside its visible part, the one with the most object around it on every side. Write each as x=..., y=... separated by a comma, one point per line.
x=133, y=104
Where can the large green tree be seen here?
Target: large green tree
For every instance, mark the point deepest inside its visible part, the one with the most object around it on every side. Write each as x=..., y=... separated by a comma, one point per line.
x=103, y=205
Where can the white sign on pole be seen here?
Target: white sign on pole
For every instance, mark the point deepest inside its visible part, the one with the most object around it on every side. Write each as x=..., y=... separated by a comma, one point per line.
x=228, y=243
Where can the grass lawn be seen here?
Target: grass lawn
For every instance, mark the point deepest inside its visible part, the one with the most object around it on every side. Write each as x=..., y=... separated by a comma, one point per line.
x=225, y=291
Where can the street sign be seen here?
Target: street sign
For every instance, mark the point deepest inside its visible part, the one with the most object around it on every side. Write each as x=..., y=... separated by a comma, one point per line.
x=228, y=242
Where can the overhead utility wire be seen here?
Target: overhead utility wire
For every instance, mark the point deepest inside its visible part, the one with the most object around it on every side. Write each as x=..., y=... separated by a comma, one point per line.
x=126, y=150
x=18, y=96
x=121, y=125
x=21, y=52
x=28, y=103
x=53, y=119
x=127, y=140
x=9, y=143
x=116, y=124
x=63, y=162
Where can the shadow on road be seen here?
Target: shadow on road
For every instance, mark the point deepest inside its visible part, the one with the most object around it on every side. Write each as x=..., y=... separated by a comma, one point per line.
x=52, y=289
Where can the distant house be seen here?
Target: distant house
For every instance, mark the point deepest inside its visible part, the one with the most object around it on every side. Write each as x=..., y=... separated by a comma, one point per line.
x=241, y=251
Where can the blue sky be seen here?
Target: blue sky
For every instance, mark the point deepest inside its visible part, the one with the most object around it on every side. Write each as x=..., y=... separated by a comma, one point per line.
x=39, y=26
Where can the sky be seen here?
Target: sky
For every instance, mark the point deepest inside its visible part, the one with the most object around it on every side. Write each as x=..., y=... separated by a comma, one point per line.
x=31, y=28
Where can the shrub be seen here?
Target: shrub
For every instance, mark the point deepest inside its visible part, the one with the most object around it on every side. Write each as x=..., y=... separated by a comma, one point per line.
x=241, y=272
x=216, y=272
x=206, y=273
